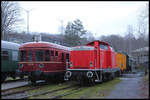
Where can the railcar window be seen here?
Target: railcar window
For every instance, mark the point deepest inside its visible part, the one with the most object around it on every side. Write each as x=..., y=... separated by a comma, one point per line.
x=23, y=55
x=47, y=55
x=30, y=55
x=4, y=55
x=56, y=55
x=62, y=59
x=67, y=57
x=52, y=55
x=39, y=55
x=14, y=55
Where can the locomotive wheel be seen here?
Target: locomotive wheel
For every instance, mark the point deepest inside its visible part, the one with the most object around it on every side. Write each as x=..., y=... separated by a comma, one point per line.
x=3, y=78
x=112, y=76
x=32, y=79
x=91, y=82
x=13, y=76
x=21, y=76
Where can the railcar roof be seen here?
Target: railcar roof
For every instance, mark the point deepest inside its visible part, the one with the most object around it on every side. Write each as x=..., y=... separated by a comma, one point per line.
x=45, y=44
x=10, y=45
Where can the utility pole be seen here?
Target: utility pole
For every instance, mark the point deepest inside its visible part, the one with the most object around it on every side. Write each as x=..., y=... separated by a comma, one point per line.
x=27, y=21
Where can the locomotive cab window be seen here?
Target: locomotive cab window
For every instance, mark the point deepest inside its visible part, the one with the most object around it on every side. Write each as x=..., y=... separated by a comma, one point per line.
x=112, y=49
x=104, y=47
x=4, y=55
x=23, y=55
x=39, y=55
x=47, y=55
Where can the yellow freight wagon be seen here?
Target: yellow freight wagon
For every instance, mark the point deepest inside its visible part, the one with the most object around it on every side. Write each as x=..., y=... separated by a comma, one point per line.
x=121, y=61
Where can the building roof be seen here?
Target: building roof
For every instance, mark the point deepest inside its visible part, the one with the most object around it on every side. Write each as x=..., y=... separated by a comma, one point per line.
x=141, y=49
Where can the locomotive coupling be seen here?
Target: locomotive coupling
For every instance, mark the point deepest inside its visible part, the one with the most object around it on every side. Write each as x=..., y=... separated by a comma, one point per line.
x=68, y=74
x=89, y=74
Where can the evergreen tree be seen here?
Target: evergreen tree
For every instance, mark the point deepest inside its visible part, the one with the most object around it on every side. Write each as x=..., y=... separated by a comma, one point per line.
x=73, y=33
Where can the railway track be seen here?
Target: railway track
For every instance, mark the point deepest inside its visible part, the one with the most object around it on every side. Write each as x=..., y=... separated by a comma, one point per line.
x=16, y=94
x=72, y=89
x=23, y=94
x=20, y=89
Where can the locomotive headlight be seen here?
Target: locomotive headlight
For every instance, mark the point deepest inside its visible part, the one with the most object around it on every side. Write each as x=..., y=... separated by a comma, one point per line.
x=68, y=74
x=91, y=64
x=89, y=74
x=21, y=65
x=41, y=65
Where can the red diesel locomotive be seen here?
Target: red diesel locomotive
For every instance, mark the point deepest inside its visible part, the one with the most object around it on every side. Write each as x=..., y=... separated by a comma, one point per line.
x=94, y=62
x=43, y=60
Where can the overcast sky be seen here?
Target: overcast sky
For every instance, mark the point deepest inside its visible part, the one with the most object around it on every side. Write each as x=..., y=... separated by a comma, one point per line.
x=101, y=18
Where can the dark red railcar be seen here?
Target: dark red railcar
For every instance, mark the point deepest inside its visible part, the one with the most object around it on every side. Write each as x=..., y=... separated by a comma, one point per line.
x=96, y=61
x=43, y=60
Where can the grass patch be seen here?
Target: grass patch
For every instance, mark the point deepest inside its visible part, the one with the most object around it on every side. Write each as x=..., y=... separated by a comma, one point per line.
x=97, y=91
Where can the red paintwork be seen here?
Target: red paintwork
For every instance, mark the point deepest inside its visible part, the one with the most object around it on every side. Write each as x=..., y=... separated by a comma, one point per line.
x=49, y=66
x=102, y=59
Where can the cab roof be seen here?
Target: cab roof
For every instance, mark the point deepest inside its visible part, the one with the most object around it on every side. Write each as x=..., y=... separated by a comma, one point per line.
x=97, y=41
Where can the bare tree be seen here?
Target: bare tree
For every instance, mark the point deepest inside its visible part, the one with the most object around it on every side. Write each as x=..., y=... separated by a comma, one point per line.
x=128, y=37
x=143, y=23
x=10, y=12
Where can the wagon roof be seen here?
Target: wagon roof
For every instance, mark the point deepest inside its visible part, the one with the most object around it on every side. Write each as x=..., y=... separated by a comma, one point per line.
x=45, y=44
x=10, y=45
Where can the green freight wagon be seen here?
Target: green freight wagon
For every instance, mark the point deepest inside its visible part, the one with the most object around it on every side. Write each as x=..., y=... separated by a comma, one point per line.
x=9, y=59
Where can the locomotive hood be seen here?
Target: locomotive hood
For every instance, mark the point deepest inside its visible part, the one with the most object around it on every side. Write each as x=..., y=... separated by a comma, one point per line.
x=82, y=48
